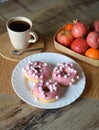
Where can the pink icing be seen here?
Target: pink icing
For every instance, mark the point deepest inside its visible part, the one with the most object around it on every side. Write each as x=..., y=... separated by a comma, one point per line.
x=47, y=90
x=65, y=74
x=37, y=70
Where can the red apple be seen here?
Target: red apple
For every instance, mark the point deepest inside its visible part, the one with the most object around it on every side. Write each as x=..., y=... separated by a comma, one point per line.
x=93, y=39
x=79, y=45
x=79, y=29
x=96, y=25
x=65, y=38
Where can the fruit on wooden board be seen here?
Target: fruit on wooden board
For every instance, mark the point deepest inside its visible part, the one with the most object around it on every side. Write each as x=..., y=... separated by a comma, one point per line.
x=93, y=39
x=79, y=29
x=80, y=38
x=68, y=26
x=92, y=53
x=79, y=45
x=96, y=25
x=65, y=37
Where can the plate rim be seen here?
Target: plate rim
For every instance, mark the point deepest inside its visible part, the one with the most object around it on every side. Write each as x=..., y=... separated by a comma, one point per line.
x=28, y=57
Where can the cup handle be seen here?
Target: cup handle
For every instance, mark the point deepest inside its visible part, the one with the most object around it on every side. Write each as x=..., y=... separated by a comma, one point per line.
x=35, y=37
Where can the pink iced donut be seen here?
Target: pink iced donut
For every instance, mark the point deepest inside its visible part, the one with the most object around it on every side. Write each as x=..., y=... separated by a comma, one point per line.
x=36, y=71
x=65, y=74
x=46, y=91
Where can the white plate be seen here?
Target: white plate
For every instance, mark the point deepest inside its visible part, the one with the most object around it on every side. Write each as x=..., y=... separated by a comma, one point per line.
x=22, y=86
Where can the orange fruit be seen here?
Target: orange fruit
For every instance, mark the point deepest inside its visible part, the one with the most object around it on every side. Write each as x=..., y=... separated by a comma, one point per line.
x=69, y=26
x=92, y=53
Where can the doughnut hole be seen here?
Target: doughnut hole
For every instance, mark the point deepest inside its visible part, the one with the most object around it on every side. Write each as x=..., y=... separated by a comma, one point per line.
x=46, y=89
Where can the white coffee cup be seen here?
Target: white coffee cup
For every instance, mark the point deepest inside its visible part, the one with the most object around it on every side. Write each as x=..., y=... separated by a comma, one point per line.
x=19, y=31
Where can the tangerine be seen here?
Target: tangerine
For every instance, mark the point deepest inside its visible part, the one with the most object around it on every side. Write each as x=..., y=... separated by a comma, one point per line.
x=69, y=26
x=92, y=53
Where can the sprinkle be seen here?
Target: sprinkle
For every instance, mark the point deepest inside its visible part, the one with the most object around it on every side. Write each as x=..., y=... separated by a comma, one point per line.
x=66, y=65
x=36, y=76
x=50, y=81
x=59, y=75
x=72, y=69
x=51, y=90
x=32, y=68
x=40, y=70
x=56, y=83
x=71, y=64
x=41, y=81
x=40, y=84
x=73, y=80
x=59, y=64
x=36, y=71
x=33, y=74
x=68, y=74
x=40, y=89
x=54, y=70
x=41, y=76
x=43, y=96
x=69, y=68
x=63, y=65
x=75, y=71
x=35, y=63
x=45, y=64
x=47, y=83
x=58, y=71
x=77, y=77
x=65, y=76
x=39, y=66
x=57, y=97
x=55, y=88
x=27, y=67
x=50, y=86
x=30, y=71
x=42, y=93
x=60, y=68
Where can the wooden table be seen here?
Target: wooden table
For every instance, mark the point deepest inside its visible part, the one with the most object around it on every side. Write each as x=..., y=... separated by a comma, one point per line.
x=48, y=17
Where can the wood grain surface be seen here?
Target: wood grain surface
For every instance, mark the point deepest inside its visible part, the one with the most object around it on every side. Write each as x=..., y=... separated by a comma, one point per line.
x=47, y=17
x=17, y=115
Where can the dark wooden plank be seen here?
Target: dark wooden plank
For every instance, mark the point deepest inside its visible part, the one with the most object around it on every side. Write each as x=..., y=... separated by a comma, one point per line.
x=81, y=115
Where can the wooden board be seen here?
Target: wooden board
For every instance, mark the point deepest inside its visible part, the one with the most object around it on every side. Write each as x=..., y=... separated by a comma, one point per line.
x=68, y=51
x=6, y=47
